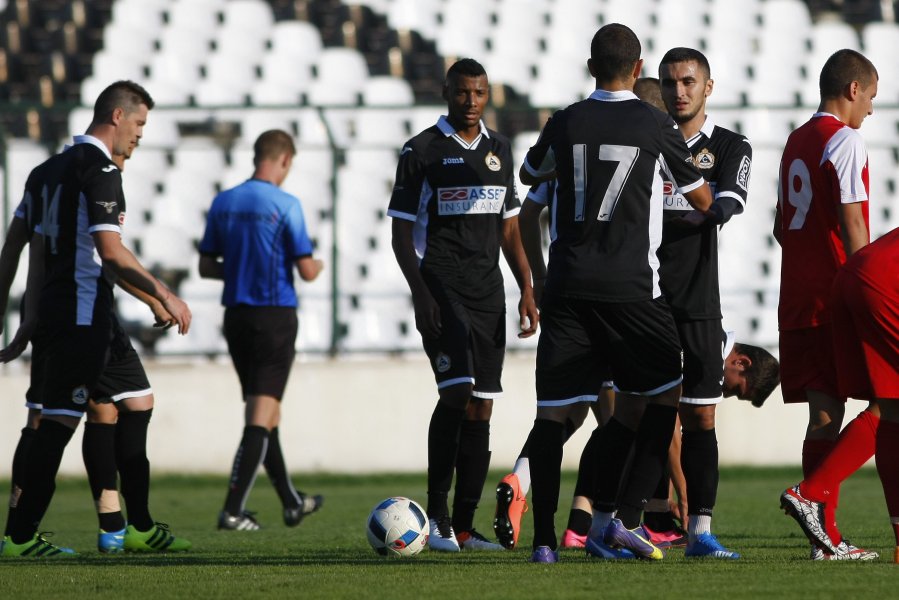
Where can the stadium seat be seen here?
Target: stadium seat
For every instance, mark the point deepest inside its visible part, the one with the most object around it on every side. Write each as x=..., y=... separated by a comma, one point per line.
x=465, y=28
x=387, y=91
x=881, y=42
x=200, y=16
x=145, y=15
x=381, y=127
x=827, y=37
x=415, y=15
x=315, y=323
x=299, y=40
x=341, y=75
x=558, y=82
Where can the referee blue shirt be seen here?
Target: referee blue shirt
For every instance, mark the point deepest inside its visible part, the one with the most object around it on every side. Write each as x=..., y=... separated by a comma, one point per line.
x=259, y=231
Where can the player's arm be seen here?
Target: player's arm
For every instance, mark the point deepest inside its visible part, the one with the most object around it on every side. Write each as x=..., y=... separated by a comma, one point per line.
x=514, y=253
x=33, y=287
x=16, y=239
x=125, y=265
x=309, y=267
x=211, y=267
x=162, y=317
x=540, y=162
x=853, y=229
x=427, y=312
x=532, y=241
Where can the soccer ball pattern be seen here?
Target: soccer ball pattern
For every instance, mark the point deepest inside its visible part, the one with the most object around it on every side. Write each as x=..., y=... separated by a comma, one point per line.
x=397, y=527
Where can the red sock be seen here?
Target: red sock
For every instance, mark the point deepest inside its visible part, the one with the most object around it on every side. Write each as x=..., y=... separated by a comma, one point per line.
x=853, y=448
x=888, y=467
x=813, y=452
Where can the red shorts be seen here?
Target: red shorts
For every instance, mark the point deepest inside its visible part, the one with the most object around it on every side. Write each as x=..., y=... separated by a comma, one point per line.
x=866, y=339
x=807, y=363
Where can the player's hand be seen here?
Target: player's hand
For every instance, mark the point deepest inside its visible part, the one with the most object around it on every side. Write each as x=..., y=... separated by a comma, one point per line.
x=692, y=219
x=162, y=318
x=19, y=342
x=528, y=316
x=427, y=315
x=179, y=312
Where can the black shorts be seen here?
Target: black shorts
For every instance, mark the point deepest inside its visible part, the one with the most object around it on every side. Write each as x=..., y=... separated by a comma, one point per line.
x=703, y=345
x=470, y=350
x=38, y=358
x=124, y=376
x=582, y=342
x=73, y=359
x=262, y=343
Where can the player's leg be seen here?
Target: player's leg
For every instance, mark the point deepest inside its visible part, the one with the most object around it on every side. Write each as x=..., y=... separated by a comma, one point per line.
x=295, y=503
x=701, y=393
x=98, y=453
x=18, y=462
x=648, y=372
x=72, y=364
x=888, y=462
x=450, y=358
x=580, y=517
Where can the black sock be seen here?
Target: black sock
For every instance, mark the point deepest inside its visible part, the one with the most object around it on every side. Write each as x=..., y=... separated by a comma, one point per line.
x=39, y=481
x=650, y=454
x=547, y=438
x=579, y=521
x=18, y=473
x=134, y=466
x=586, y=470
x=472, y=463
x=443, y=442
x=276, y=469
x=246, y=463
x=611, y=451
x=98, y=452
x=699, y=457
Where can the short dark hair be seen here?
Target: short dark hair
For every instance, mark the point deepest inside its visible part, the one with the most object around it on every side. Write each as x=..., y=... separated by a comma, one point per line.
x=614, y=51
x=123, y=94
x=842, y=68
x=681, y=54
x=762, y=376
x=465, y=67
x=648, y=90
x=271, y=144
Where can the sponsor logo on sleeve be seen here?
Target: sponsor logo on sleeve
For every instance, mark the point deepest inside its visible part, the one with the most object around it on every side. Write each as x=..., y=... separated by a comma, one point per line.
x=743, y=173
x=492, y=161
x=406, y=150
x=110, y=168
x=108, y=206
x=470, y=200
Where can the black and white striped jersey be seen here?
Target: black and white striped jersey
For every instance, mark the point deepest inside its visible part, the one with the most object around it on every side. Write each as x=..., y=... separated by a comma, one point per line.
x=458, y=195
x=72, y=195
x=607, y=153
x=688, y=256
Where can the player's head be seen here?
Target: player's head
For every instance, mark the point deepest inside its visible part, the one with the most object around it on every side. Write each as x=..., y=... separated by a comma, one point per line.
x=466, y=91
x=273, y=154
x=122, y=106
x=615, y=55
x=750, y=373
x=686, y=81
x=647, y=89
x=849, y=77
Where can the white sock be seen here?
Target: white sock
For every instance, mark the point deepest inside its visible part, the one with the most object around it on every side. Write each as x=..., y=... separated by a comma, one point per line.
x=522, y=470
x=600, y=521
x=698, y=525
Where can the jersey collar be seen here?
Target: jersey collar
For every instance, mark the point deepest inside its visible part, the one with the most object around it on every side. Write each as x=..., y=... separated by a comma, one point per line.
x=607, y=96
x=89, y=139
x=449, y=131
x=705, y=130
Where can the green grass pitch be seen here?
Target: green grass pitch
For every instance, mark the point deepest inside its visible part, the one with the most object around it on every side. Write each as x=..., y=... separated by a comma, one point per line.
x=327, y=556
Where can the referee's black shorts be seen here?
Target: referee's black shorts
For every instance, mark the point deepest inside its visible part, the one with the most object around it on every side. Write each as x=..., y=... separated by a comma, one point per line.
x=261, y=341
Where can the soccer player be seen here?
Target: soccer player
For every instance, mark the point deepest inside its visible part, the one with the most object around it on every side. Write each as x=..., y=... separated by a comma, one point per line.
x=601, y=302
x=79, y=210
x=454, y=206
x=255, y=236
x=821, y=220
x=688, y=272
x=116, y=429
x=866, y=347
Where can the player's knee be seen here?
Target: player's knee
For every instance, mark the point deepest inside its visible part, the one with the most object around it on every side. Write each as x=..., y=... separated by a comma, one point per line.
x=695, y=417
x=479, y=409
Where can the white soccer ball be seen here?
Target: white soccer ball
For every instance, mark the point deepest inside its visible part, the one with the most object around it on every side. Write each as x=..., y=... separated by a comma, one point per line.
x=397, y=527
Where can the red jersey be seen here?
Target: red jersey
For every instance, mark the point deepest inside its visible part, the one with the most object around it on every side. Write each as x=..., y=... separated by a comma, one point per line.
x=824, y=165
x=877, y=264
